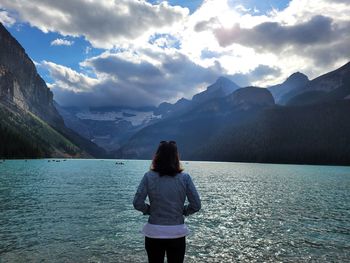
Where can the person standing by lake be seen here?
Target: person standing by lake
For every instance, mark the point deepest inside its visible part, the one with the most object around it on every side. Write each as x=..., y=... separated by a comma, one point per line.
x=167, y=188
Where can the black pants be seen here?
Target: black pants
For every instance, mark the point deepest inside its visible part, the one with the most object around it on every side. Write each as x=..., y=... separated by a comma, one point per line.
x=174, y=248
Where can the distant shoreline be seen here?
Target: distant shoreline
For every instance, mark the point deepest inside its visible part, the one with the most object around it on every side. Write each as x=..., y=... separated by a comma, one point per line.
x=184, y=161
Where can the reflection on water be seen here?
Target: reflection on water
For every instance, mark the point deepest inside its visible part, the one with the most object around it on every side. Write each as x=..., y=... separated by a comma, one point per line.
x=81, y=211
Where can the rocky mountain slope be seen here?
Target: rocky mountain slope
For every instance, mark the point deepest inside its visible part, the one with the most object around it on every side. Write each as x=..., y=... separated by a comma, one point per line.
x=28, y=112
x=21, y=84
x=331, y=86
x=221, y=88
x=294, y=82
x=193, y=129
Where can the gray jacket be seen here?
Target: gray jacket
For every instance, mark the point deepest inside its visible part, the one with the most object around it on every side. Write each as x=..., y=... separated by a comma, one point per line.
x=167, y=196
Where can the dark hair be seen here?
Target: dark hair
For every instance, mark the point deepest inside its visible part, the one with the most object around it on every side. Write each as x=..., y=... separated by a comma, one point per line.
x=166, y=160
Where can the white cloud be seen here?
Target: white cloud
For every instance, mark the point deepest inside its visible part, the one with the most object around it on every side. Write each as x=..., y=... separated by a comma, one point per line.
x=61, y=42
x=68, y=79
x=293, y=39
x=5, y=18
x=104, y=23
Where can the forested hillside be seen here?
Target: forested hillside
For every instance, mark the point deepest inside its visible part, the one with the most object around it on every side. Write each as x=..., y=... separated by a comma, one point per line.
x=27, y=136
x=313, y=134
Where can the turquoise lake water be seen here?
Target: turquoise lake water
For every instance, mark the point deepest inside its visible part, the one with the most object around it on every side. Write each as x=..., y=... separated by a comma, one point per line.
x=81, y=211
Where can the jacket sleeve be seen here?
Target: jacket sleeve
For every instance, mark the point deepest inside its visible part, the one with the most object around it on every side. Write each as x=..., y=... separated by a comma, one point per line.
x=194, y=202
x=140, y=197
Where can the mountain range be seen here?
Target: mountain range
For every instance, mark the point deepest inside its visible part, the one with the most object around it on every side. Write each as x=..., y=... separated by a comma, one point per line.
x=111, y=127
x=297, y=121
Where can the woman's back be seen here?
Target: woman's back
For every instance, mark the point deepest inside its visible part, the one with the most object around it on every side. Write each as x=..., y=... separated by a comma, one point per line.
x=167, y=195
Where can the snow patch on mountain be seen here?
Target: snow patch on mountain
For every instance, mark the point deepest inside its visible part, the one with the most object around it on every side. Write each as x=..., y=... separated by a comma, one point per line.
x=135, y=117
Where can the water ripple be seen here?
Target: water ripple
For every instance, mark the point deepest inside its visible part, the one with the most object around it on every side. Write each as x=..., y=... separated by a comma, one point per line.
x=81, y=211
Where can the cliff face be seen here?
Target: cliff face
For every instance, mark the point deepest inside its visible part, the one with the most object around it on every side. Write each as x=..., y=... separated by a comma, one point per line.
x=20, y=84
x=10, y=92
x=26, y=109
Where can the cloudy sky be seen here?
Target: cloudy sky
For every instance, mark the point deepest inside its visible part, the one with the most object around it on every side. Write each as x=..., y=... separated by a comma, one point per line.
x=139, y=53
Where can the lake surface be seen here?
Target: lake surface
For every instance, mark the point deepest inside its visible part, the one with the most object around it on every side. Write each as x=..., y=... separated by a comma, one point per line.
x=81, y=211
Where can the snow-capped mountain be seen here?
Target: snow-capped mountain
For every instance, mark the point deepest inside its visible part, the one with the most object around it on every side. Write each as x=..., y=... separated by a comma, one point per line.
x=107, y=127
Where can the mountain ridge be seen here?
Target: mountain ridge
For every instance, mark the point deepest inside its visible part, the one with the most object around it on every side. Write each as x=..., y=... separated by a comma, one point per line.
x=220, y=88
x=295, y=81
x=252, y=132
x=327, y=82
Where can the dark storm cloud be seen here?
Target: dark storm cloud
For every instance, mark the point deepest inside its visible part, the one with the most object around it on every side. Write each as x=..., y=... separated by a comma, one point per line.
x=327, y=55
x=185, y=72
x=106, y=93
x=126, y=83
x=175, y=73
x=205, y=25
x=259, y=73
x=114, y=65
x=272, y=36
